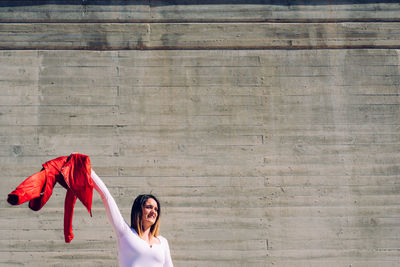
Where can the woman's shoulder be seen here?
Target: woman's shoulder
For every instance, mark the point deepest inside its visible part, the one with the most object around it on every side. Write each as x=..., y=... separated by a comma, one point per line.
x=162, y=239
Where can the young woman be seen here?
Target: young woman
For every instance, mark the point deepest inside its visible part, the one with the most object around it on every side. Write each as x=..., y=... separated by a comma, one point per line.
x=140, y=244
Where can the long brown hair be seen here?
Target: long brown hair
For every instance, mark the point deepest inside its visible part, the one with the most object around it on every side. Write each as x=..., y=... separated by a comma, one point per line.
x=136, y=215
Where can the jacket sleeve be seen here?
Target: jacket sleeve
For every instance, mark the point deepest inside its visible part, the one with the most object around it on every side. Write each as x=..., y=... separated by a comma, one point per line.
x=30, y=189
x=69, y=204
x=114, y=215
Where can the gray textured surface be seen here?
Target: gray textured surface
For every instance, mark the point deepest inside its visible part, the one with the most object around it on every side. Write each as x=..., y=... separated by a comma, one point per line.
x=192, y=10
x=260, y=157
x=205, y=36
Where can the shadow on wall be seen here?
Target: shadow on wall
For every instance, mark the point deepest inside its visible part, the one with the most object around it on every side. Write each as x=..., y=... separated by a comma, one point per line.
x=189, y=2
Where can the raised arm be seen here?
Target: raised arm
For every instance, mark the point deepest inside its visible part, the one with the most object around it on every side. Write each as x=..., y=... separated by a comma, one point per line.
x=114, y=215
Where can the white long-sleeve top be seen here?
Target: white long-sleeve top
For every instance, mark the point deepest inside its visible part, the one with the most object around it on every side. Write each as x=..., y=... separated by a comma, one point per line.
x=132, y=250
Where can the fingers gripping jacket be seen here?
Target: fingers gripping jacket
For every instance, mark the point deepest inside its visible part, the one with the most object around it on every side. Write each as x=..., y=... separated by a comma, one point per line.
x=72, y=172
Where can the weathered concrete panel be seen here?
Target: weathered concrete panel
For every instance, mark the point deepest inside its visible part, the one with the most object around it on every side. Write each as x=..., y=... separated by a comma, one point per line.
x=189, y=10
x=260, y=157
x=117, y=36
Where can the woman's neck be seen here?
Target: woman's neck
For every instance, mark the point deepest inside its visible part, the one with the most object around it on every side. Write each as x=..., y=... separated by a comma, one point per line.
x=146, y=234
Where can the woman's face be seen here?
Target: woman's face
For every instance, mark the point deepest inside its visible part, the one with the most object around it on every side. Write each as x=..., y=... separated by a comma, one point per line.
x=149, y=212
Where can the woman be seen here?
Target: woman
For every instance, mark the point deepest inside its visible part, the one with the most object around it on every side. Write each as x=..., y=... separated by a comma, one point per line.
x=138, y=245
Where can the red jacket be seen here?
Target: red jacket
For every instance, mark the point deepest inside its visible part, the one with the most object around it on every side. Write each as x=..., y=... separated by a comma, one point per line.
x=72, y=172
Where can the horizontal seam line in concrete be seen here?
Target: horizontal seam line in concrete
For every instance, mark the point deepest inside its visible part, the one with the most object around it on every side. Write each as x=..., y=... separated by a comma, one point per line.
x=84, y=48
x=182, y=21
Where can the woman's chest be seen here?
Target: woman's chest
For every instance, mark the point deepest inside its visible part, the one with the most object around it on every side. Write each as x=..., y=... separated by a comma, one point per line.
x=140, y=251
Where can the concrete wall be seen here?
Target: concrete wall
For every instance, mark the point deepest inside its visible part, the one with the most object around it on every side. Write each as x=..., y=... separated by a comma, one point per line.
x=269, y=130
